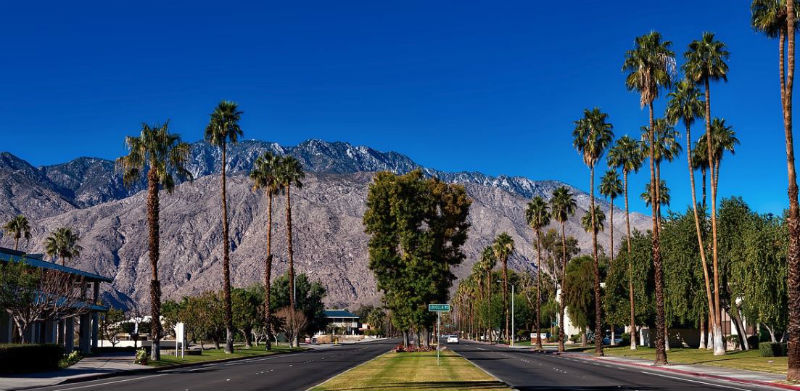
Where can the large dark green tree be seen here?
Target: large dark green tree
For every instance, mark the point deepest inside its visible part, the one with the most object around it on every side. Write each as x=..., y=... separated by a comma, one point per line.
x=160, y=156
x=223, y=128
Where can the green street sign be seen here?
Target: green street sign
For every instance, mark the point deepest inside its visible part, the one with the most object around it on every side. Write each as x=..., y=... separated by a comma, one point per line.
x=439, y=307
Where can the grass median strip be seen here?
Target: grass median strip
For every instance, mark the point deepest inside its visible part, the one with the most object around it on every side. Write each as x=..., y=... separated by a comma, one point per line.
x=748, y=360
x=168, y=355
x=414, y=371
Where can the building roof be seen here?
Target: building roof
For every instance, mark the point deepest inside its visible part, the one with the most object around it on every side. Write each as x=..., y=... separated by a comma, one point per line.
x=35, y=260
x=340, y=314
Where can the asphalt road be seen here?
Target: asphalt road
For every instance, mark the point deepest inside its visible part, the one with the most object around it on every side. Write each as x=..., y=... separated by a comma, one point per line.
x=294, y=371
x=527, y=371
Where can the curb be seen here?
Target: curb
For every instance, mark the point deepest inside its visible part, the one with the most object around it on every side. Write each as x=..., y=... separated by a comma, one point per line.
x=688, y=373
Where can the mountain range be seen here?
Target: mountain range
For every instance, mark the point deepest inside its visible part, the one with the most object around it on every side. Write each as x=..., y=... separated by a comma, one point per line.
x=87, y=194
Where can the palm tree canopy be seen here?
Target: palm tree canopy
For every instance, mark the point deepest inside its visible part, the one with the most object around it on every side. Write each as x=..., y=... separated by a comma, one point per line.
x=503, y=246
x=685, y=103
x=611, y=185
x=649, y=66
x=769, y=16
x=266, y=172
x=592, y=135
x=537, y=214
x=599, y=216
x=665, y=137
x=290, y=172
x=488, y=259
x=723, y=139
x=63, y=243
x=705, y=60
x=18, y=227
x=155, y=149
x=224, y=126
x=562, y=204
x=700, y=156
x=626, y=154
x=663, y=193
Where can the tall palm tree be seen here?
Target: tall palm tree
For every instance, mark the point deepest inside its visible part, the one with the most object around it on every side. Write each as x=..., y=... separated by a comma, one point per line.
x=19, y=228
x=265, y=175
x=700, y=162
x=685, y=104
x=537, y=214
x=591, y=137
x=562, y=206
x=666, y=148
x=158, y=153
x=503, y=246
x=63, y=243
x=599, y=220
x=778, y=18
x=663, y=193
x=290, y=173
x=650, y=66
x=489, y=261
x=723, y=139
x=223, y=128
x=705, y=61
x=627, y=155
x=611, y=188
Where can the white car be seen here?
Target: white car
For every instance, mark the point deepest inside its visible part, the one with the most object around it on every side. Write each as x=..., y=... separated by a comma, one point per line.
x=452, y=339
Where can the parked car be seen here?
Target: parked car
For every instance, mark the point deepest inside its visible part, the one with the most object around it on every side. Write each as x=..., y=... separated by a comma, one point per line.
x=452, y=339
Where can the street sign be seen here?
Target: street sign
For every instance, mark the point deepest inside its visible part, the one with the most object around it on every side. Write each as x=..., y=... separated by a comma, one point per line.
x=439, y=307
x=180, y=338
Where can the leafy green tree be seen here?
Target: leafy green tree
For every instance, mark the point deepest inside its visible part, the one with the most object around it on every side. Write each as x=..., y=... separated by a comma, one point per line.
x=161, y=155
x=246, y=314
x=649, y=66
x=63, y=243
x=223, y=128
x=537, y=215
x=265, y=175
x=562, y=206
x=579, y=292
x=309, y=300
x=706, y=61
x=19, y=228
x=110, y=324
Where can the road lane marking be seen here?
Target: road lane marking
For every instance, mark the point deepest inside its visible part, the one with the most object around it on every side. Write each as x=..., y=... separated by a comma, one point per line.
x=110, y=382
x=696, y=381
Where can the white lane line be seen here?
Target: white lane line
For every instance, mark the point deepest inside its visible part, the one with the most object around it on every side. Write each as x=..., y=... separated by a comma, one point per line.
x=110, y=382
x=696, y=381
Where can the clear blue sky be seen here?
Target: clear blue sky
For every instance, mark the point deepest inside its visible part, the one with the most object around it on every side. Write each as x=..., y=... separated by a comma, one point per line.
x=487, y=86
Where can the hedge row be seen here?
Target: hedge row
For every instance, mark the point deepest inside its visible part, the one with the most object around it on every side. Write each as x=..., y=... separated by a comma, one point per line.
x=768, y=349
x=29, y=357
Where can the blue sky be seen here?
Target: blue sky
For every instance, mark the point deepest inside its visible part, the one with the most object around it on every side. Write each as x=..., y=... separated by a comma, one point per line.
x=482, y=85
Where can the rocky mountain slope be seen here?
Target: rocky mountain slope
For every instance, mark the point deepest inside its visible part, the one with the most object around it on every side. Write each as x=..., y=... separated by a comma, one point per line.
x=87, y=194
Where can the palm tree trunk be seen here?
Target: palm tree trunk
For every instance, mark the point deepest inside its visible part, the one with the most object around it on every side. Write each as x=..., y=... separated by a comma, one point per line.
x=703, y=172
x=630, y=264
x=268, y=272
x=561, y=293
x=661, y=354
x=719, y=348
x=16, y=243
x=611, y=224
x=704, y=263
x=538, y=289
x=489, y=322
x=702, y=332
x=226, y=261
x=598, y=316
x=291, y=255
x=505, y=296
x=793, y=280
x=155, y=286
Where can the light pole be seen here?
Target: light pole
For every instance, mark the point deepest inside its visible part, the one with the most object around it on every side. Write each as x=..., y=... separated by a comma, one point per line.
x=511, y=337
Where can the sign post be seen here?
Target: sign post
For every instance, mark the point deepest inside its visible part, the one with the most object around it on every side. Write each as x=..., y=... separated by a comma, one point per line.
x=179, y=338
x=438, y=308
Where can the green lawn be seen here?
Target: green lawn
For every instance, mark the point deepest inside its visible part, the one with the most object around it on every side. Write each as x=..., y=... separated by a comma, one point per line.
x=414, y=371
x=168, y=355
x=750, y=360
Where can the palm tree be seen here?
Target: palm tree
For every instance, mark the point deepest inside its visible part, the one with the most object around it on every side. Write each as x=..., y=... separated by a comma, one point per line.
x=290, y=173
x=627, y=155
x=599, y=220
x=663, y=193
x=19, y=228
x=265, y=176
x=63, y=243
x=537, y=214
x=723, y=139
x=686, y=105
x=223, y=128
x=591, y=137
x=562, y=206
x=778, y=18
x=705, y=61
x=666, y=148
x=489, y=261
x=503, y=246
x=158, y=153
x=650, y=66
x=611, y=188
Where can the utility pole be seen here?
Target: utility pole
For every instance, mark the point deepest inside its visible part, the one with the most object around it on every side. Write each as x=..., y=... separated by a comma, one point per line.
x=512, y=315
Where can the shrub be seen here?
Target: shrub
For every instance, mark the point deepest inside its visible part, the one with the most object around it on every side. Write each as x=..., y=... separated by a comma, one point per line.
x=70, y=359
x=29, y=358
x=769, y=349
x=141, y=357
x=575, y=338
x=753, y=341
x=626, y=339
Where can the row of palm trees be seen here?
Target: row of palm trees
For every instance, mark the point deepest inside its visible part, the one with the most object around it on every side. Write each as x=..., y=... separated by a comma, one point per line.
x=60, y=244
x=161, y=157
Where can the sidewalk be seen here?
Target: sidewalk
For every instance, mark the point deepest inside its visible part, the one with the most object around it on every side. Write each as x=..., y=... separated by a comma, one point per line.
x=89, y=367
x=711, y=372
